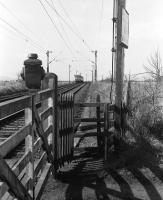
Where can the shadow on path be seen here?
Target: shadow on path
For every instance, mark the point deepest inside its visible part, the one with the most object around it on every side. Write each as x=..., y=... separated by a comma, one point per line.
x=149, y=187
x=124, y=186
x=90, y=174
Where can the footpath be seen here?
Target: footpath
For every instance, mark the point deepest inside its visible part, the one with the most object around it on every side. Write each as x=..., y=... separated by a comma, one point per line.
x=136, y=173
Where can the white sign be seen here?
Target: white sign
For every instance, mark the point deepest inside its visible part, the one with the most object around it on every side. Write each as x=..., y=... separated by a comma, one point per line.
x=125, y=28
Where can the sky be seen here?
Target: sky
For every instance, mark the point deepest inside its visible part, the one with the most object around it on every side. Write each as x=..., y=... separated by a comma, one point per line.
x=83, y=26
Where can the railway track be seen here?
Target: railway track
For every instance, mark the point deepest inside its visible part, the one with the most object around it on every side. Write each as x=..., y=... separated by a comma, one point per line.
x=61, y=88
x=14, y=123
x=15, y=138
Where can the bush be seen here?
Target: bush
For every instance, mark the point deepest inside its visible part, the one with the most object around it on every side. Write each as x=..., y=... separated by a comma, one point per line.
x=11, y=87
x=147, y=116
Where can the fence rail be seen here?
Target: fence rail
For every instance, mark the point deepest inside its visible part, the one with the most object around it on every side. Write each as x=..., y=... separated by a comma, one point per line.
x=25, y=178
x=48, y=135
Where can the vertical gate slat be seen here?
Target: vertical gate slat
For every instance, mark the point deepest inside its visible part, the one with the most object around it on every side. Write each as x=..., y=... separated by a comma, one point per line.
x=66, y=131
x=64, y=125
x=60, y=126
x=65, y=128
x=69, y=125
x=68, y=134
x=72, y=125
x=98, y=122
x=72, y=140
x=105, y=130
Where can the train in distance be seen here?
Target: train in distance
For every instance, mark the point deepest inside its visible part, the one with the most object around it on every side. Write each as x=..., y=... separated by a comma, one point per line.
x=78, y=78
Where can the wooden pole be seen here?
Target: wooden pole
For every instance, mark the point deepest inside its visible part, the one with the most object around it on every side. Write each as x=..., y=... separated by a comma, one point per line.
x=56, y=123
x=120, y=54
x=29, y=143
x=53, y=138
x=92, y=75
x=96, y=65
x=47, y=53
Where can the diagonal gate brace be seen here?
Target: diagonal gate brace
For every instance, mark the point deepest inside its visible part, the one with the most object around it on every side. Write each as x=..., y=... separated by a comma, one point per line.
x=41, y=134
x=16, y=187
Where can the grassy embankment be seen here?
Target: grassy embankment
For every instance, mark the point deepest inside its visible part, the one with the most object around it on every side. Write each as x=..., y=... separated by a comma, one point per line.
x=10, y=87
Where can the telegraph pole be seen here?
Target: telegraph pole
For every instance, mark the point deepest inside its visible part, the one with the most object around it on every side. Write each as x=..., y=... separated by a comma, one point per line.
x=47, y=53
x=69, y=72
x=95, y=67
x=121, y=32
x=92, y=75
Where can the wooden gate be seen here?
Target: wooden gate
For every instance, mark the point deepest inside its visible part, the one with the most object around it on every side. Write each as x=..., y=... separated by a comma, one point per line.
x=65, y=133
x=105, y=125
x=26, y=177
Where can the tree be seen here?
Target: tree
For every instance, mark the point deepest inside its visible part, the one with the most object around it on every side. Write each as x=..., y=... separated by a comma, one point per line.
x=154, y=66
x=146, y=108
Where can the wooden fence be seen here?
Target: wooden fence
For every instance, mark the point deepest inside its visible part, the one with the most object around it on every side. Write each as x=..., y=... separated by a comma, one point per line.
x=66, y=122
x=26, y=178
x=48, y=135
x=104, y=123
x=48, y=141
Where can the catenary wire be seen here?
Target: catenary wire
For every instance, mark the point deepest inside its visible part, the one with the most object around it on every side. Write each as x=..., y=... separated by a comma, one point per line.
x=100, y=24
x=19, y=20
x=56, y=28
x=27, y=38
x=12, y=32
x=62, y=27
x=68, y=25
x=68, y=16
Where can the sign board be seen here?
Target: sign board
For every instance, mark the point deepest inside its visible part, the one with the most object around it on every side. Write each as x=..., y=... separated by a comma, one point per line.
x=125, y=28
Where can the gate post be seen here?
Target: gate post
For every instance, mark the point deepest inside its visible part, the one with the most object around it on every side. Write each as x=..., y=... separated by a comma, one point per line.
x=56, y=125
x=105, y=131
x=53, y=84
x=29, y=143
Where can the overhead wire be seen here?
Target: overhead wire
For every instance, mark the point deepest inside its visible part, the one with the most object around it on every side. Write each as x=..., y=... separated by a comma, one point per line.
x=56, y=28
x=26, y=38
x=68, y=25
x=16, y=34
x=19, y=20
x=100, y=25
x=66, y=13
x=62, y=27
x=73, y=24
